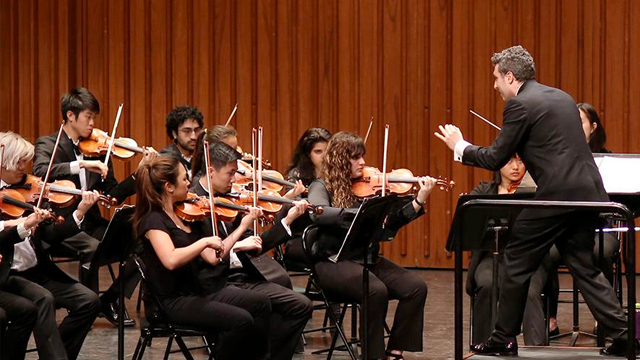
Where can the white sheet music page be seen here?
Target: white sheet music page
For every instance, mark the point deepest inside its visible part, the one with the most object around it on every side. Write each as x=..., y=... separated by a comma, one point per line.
x=619, y=174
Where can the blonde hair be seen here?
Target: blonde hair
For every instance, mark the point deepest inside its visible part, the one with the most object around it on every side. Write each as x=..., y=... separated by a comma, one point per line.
x=336, y=167
x=16, y=150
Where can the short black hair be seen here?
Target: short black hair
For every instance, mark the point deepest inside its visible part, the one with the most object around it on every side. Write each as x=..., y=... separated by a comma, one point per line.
x=78, y=100
x=221, y=154
x=179, y=115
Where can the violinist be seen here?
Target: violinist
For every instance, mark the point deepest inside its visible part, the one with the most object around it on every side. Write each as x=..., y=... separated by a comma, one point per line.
x=248, y=267
x=183, y=125
x=173, y=249
x=480, y=276
x=305, y=166
x=35, y=277
x=79, y=109
x=344, y=161
x=543, y=124
x=228, y=135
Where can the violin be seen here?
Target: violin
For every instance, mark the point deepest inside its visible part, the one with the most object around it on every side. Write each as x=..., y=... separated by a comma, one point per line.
x=399, y=181
x=271, y=179
x=196, y=208
x=60, y=193
x=269, y=201
x=13, y=205
x=98, y=144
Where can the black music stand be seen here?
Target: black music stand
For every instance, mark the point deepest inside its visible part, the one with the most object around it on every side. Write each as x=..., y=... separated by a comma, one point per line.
x=368, y=228
x=116, y=245
x=459, y=244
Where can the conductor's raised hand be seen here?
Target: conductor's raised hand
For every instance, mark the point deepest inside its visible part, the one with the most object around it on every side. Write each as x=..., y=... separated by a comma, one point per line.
x=449, y=134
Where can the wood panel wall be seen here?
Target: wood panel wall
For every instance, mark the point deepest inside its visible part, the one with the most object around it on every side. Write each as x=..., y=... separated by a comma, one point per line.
x=295, y=64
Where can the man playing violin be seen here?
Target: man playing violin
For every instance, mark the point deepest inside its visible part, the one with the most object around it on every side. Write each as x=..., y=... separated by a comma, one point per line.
x=79, y=109
x=183, y=125
x=542, y=124
x=248, y=267
x=34, y=276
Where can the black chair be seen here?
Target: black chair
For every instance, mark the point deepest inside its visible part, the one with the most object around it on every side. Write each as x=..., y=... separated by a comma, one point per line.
x=156, y=325
x=315, y=292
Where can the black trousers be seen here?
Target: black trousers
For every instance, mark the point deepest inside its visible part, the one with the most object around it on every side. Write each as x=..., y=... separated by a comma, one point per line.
x=57, y=341
x=386, y=281
x=531, y=239
x=22, y=314
x=241, y=316
x=482, y=306
x=290, y=312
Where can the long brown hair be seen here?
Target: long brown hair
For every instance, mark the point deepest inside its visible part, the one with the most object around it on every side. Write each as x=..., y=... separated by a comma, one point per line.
x=343, y=147
x=150, y=180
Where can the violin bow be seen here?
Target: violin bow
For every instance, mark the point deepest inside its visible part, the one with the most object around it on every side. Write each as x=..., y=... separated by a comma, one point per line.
x=45, y=180
x=207, y=162
x=231, y=116
x=384, y=160
x=254, y=136
x=485, y=120
x=113, y=135
x=259, y=159
x=369, y=130
x=1, y=159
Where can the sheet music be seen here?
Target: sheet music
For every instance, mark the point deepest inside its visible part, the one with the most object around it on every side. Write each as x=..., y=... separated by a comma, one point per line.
x=619, y=174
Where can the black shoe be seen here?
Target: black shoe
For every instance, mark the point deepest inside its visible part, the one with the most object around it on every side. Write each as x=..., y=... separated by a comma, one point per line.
x=491, y=347
x=554, y=332
x=619, y=348
x=109, y=310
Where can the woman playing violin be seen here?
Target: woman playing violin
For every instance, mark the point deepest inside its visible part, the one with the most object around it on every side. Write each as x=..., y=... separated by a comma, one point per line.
x=305, y=166
x=173, y=250
x=344, y=161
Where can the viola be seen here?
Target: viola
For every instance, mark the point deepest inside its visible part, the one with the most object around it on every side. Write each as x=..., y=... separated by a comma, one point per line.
x=271, y=179
x=269, y=201
x=13, y=205
x=98, y=144
x=399, y=181
x=60, y=193
x=196, y=208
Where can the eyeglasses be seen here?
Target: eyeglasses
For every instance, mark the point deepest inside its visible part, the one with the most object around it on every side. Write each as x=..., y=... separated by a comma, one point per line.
x=189, y=131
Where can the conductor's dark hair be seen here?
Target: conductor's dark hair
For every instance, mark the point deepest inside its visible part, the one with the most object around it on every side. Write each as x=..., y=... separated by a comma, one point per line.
x=78, y=100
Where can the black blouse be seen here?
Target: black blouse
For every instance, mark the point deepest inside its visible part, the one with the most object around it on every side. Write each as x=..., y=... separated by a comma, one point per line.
x=162, y=281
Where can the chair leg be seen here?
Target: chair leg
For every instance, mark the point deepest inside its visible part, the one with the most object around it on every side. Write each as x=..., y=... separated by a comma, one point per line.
x=168, y=350
x=138, y=305
x=341, y=333
x=183, y=347
x=140, y=347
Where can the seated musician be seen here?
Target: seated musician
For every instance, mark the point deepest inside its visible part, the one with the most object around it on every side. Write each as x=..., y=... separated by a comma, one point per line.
x=172, y=250
x=343, y=162
x=305, y=166
x=228, y=135
x=596, y=137
x=17, y=314
x=480, y=276
x=183, y=125
x=79, y=110
x=248, y=267
x=35, y=277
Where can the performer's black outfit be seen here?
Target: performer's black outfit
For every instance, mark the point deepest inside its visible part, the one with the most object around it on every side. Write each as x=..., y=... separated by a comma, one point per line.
x=48, y=287
x=17, y=314
x=262, y=274
x=542, y=125
x=94, y=225
x=387, y=280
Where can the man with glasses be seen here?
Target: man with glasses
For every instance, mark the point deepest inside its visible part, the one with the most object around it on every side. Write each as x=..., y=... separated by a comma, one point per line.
x=183, y=124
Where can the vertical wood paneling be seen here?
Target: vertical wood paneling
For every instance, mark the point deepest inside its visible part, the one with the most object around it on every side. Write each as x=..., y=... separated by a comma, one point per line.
x=293, y=64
